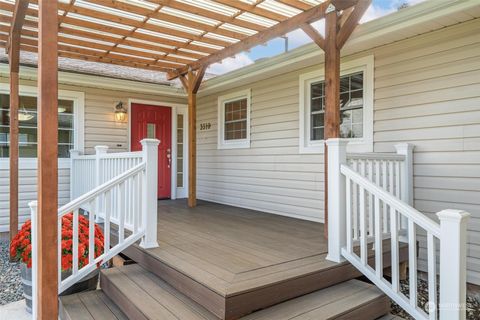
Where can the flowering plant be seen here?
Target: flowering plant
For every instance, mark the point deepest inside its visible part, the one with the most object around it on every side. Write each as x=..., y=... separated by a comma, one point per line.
x=21, y=247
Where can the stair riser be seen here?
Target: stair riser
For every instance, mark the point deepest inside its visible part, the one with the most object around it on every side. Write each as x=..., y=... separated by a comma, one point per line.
x=130, y=310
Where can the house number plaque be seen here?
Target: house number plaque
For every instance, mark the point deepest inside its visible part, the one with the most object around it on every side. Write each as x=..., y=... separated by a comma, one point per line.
x=205, y=126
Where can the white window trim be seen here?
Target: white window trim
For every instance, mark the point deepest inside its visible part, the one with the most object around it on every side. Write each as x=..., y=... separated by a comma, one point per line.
x=78, y=99
x=365, y=144
x=222, y=100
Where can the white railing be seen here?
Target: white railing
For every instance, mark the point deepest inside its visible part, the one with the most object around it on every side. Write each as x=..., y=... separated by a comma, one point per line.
x=128, y=201
x=89, y=171
x=356, y=197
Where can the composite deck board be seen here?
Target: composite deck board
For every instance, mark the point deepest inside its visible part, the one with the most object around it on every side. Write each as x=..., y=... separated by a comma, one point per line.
x=90, y=305
x=234, y=261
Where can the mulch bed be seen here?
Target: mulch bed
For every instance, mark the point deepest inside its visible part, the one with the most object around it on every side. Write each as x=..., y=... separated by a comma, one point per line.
x=473, y=304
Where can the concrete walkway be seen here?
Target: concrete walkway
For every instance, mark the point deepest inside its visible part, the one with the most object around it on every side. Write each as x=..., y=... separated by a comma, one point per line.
x=15, y=310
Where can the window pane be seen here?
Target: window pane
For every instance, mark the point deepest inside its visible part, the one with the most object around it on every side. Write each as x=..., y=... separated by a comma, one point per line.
x=351, y=106
x=28, y=120
x=235, y=120
x=151, y=130
x=180, y=146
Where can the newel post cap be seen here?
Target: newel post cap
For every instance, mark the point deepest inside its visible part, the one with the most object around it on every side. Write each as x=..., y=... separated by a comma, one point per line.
x=404, y=147
x=453, y=215
x=33, y=205
x=150, y=142
x=101, y=149
x=337, y=142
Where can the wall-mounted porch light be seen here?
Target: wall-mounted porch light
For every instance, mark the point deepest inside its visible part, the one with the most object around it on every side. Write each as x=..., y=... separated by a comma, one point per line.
x=120, y=112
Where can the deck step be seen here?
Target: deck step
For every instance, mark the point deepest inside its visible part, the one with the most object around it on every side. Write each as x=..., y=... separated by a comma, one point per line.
x=89, y=305
x=140, y=294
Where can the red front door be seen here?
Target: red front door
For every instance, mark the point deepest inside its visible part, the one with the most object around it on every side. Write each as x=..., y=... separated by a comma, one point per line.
x=154, y=122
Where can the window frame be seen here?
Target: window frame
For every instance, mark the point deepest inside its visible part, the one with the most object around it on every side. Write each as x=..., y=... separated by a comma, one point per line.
x=222, y=100
x=78, y=99
x=364, y=144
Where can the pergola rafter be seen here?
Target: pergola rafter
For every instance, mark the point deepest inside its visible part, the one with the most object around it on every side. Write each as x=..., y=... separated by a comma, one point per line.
x=176, y=37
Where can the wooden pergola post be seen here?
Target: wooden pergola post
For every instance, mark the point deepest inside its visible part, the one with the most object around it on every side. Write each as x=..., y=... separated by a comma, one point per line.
x=47, y=279
x=339, y=25
x=13, y=49
x=191, y=82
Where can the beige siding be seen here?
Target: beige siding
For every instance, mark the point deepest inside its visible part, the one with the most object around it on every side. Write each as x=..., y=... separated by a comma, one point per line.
x=100, y=129
x=427, y=92
x=271, y=175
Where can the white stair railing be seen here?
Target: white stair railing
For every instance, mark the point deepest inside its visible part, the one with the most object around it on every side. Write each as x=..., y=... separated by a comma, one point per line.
x=350, y=192
x=129, y=202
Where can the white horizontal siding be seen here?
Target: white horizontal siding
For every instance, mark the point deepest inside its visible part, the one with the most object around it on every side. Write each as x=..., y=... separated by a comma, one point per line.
x=427, y=92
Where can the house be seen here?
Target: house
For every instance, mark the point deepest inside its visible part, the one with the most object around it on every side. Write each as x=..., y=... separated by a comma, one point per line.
x=409, y=77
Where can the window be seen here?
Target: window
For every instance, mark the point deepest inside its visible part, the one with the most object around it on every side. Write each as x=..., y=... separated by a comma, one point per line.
x=70, y=122
x=180, y=145
x=356, y=107
x=351, y=107
x=234, y=120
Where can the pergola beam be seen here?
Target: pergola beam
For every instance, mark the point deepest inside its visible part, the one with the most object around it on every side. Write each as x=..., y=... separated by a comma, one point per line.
x=47, y=240
x=351, y=22
x=13, y=47
x=309, y=16
x=314, y=35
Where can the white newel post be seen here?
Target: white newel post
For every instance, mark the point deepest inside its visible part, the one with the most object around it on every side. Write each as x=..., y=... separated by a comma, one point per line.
x=99, y=152
x=149, y=193
x=453, y=264
x=406, y=194
x=337, y=155
x=34, y=254
x=74, y=154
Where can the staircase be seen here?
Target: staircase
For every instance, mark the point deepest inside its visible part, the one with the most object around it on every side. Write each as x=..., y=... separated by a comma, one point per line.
x=132, y=292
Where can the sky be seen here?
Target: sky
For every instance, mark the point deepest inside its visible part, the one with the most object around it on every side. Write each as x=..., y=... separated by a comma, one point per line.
x=297, y=38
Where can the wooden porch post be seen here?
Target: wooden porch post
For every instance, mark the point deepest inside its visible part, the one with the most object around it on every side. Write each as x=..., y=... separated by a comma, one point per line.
x=332, y=93
x=47, y=280
x=14, y=55
x=13, y=49
x=191, y=82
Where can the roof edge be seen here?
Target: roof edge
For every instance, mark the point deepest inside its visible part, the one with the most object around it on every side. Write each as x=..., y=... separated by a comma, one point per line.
x=99, y=82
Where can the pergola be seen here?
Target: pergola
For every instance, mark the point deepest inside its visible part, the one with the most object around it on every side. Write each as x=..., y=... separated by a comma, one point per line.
x=178, y=37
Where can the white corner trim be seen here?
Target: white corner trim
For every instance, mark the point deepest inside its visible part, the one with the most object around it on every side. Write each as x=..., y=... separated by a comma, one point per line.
x=78, y=99
x=222, y=100
x=103, y=82
x=365, y=144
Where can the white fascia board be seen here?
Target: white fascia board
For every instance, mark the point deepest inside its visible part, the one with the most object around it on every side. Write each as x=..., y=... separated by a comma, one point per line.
x=93, y=81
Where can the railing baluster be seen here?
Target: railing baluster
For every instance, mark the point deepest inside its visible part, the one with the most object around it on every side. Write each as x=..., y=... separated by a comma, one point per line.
x=385, y=214
x=75, y=242
x=378, y=239
x=348, y=207
x=412, y=262
x=121, y=212
x=432, y=276
x=394, y=249
x=108, y=196
x=370, y=201
x=363, y=228
x=91, y=233
x=59, y=239
x=355, y=205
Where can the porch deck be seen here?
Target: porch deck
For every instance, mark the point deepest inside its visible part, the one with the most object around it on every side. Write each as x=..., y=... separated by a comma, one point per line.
x=234, y=261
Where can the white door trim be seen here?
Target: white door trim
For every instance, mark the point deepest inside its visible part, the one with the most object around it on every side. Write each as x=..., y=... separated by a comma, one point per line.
x=176, y=109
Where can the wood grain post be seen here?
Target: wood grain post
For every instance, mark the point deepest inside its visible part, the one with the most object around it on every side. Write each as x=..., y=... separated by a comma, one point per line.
x=13, y=150
x=47, y=280
x=332, y=93
x=191, y=82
